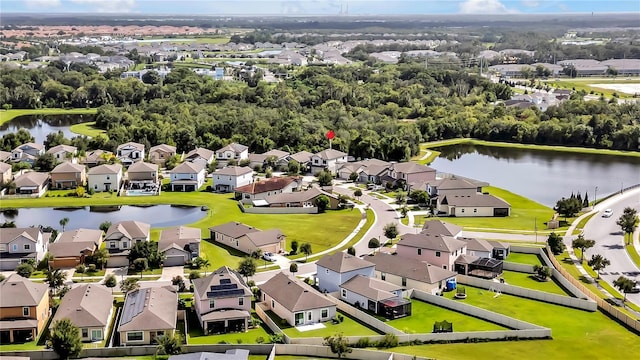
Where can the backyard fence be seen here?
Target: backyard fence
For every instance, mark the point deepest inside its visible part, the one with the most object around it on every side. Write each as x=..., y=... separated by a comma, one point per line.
x=523, y=268
x=277, y=210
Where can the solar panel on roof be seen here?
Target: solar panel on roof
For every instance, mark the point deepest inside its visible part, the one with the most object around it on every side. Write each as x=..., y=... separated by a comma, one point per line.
x=222, y=293
x=225, y=281
x=223, y=287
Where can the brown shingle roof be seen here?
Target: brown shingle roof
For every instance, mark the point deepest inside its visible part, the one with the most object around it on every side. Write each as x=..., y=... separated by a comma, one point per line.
x=87, y=305
x=235, y=147
x=71, y=243
x=266, y=237
x=478, y=244
x=187, y=168
x=233, y=170
x=31, y=178
x=294, y=294
x=135, y=145
x=233, y=229
x=163, y=147
x=67, y=167
x=142, y=166
x=411, y=168
x=342, y=262
x=18, y=291
x=266, y=185
x=439, y=227
x=330, y=154
x=410, y=268
x=434, y=242
x=4, y=167
x=178, y=235
x=7, y=235
x=277, y=153
x=152, y=308
x=302, y=157
x=105, y=169
x=131, y=229
x=200, y=152
x=62, y=147
x=371, y=288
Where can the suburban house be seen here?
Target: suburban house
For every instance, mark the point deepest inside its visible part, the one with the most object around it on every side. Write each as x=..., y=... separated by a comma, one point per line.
x=90, y=308
x=500, y=249
x=32, y=183
x=256, y=160
x=96, y=157
x=409, y=173
x=201, y=155
x=188, y=176
x=179, y=245
x=64, y=153
x=160, y=153
x=296, y=302
x=411, y=273
x=329, y=159
x=436, y=249
x=335, y=269
x=478, y=247
x=24, y=309
x=18, y=245
x=276, y=157
x=105, y=177
x=233, y=151
x=120, y=238
x=304, y=199
x=483, y=267
x=380, y=297
x=68, y=175
x=247, y=238
x=142, y=178
x=129, y=153
x=462, y=197
x=231, y=177
x=222, y=301
x=71, y=248
x=303, y=158
x=6, y=176
x=5, y=156
x=27, y=152
x=439, y=227
x=147, y=314
x=260, y=190
x=369, y=170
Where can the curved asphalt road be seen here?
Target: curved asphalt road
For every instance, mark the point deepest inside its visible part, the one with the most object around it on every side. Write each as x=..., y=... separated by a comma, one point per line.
x=610, y=239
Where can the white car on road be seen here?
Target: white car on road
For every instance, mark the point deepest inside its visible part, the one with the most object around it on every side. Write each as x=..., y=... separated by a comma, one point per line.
x=607, y=213
x=269, y=256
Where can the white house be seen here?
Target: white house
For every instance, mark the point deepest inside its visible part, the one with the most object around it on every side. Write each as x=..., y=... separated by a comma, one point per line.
x=64, y=153
x=233, y=151
x=229, y=178
x=130, y=153
x=333, y=270
x=327, y=159
x=27, y=152
x=188, y=176
x=21, y=244
x=105, y=177
x=201, y=156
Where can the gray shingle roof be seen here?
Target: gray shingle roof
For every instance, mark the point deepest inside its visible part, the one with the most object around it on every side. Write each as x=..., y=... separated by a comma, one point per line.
x=131, y=229
x=342, y=262
x=302, y=157
x=142, y=166
x=87, y=305
x=7, y=235
x=294, y=294
x=233, y=229
x=434, y=242
x=439, y=227
x=67, y=167
x=266, y=237
x=233, y=170
x=180, y=236
x=105, y=169
x=297, y=196
x=410, y=268
x=153, y=308
x=235, y=147
x=330, y=154
x=31, y=178
x=371, y=288
x=411, y=168
x=187, y=168
x=135, y=145
x=18, y=291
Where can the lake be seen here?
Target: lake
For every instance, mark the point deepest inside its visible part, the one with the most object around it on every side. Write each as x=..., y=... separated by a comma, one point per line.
x=41, y=125
x=92, y=217
x=543, y=176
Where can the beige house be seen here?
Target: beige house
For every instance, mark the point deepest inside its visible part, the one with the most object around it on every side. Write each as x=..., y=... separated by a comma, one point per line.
x=63, y=153
x=71, y=248
x=247, y=238
x=6, y=176
x=105, y=177
x=68, y=176
x=143, y=171
x=179, y=245
x=436, y=249
x=160, y=153
x=24, y=309
x=96, y=157
x=148, y=314
x=32, y=183
x=5, y=156
x=296, y=302
x=260, y=190
x=299, y=199
x=90, y=308
x=121, y=237
x=410, y=273
x=462, y=197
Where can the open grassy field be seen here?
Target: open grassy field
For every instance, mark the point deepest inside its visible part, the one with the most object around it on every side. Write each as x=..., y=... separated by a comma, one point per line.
x=587, y=84
x=576, y=333
x=524, y=214
x=528, y=281
x=7, y=115
x=87, y=129
x=423, y=316
x=348, y=327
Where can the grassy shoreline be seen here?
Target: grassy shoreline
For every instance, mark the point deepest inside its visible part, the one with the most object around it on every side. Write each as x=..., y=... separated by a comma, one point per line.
x=87, y=129
x=8, y=115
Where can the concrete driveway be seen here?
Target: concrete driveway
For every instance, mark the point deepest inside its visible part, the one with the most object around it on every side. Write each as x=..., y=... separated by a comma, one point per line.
x=169, y=272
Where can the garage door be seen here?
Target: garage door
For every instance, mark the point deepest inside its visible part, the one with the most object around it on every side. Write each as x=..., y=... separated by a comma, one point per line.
x=174, y=260
x=270, y=248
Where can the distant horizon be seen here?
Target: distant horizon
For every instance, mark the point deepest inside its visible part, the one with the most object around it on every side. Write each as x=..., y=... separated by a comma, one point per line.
x=301, y=8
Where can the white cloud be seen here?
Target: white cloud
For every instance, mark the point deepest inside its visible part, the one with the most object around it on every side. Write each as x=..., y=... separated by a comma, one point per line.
x=109, y=5
x=530, y=3
x=36, y=4
x=484, y=7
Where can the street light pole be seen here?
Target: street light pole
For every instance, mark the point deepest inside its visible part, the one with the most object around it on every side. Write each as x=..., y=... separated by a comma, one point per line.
x=595, y=197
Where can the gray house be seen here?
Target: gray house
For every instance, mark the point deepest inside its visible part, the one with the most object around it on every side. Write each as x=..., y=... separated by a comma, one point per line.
x=333, y=270
x=380, y=297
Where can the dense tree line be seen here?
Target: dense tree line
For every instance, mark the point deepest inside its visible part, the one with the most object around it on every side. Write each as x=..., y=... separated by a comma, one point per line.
x=382, y=112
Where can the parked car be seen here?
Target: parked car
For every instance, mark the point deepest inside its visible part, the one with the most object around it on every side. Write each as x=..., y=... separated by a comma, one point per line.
x=635, y=289
x=269, y=256
x=607, y=213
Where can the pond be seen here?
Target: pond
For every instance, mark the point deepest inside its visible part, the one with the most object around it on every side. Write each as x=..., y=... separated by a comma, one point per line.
x=41, y=125
x=92, y=217
x=543, y=176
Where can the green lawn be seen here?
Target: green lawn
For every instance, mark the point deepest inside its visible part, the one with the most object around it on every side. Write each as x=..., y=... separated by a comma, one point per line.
x=586, y=85
x=578, y=229
x=196, y=336
x=633, y=254
x=530, y=259
x=222, y=209
x=524, y=213
x=424, y=315
x=349, y=327
x=31, y=345
x=7, y=115
x=87, y=129
x=529, y=282
x=146, y=272
x=576, y=334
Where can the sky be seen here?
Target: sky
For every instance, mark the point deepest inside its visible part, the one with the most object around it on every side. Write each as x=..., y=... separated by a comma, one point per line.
x=320, y=7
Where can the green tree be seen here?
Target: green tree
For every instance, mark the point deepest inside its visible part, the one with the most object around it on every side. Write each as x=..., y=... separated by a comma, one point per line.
x=391, y=231
x=99, y=257
x=598, y=262
x=55, y=278
x=81, y=269
x=105, y=225
x=568, y=207
x=293, y=268
x=65, y=339
x=401, y=197
x=628, y=222
x=338, y=344
x=351, y=251
x=305, y=248
x=25, y=270
x=542, y=272
x=146, y=250
x=555, y=243
x=322, y=202
x=625, y=285
x=325, y=178
x=353, y=176
x=63, y=222
x=45, y=163
x=129, y=284
x=374, y=243
x=357, y=194
x=2, y=277
x=140, y=265
x=247, y=267
x=583, y=244
x=194, y=274
x=293, y=167
x=294, y=247
x=169, y=344
x=110, y=281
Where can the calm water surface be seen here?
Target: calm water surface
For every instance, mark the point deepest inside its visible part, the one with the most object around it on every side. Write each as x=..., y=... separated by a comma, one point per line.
x=544, y=176
x=42, y=125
